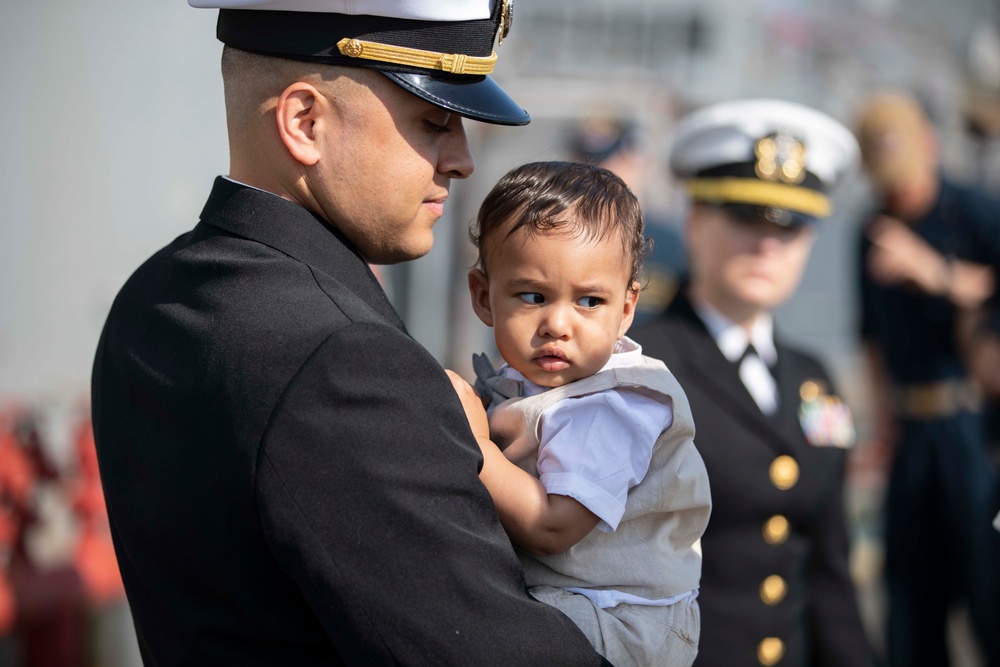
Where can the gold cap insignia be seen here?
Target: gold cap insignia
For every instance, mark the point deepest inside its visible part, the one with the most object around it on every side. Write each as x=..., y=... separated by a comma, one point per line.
x=781, y=158
x=506, y=18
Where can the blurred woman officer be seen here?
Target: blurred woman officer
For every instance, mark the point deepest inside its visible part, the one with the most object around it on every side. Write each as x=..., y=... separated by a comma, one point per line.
x=775, y=585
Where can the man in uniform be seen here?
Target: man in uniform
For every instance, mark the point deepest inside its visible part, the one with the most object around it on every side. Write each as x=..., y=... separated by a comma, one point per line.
x=924, y=259
x=775, y=587
x=290, y=478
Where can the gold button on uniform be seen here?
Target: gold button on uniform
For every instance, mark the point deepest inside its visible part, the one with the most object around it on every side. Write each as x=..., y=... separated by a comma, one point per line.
x=784, y=472
x=776, y=530
x=770, y=651
x=773, y=590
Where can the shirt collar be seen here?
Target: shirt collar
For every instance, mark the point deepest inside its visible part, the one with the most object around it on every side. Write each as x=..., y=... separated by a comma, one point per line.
x=732, y=339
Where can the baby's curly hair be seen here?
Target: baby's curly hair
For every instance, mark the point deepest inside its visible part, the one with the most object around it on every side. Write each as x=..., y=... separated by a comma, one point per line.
x=535, y=196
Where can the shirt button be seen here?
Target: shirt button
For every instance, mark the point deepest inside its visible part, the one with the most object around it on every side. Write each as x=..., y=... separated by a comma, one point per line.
x=770, y=651
x=784, y=472
x=776, y=530
x=773, y=590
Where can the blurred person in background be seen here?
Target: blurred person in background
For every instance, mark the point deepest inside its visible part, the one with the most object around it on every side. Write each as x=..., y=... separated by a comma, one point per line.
x=923, y=263
x=57, y=569
x=289, y=476
x=614, y=144
x=769, y=423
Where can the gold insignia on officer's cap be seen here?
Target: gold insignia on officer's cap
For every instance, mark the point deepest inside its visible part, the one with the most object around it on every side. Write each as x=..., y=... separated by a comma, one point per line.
x=764, y=153
x=780, y=158
x=506, y=18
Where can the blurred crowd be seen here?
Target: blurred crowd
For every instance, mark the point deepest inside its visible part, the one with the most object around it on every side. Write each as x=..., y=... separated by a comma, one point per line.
x=58, y=575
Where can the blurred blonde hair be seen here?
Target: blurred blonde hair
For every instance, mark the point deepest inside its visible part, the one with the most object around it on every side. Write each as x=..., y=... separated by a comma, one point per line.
x=896, y=138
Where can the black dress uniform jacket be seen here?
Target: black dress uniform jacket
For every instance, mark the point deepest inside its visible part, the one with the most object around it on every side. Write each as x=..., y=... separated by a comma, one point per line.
x=814, y=614
x=290, y=477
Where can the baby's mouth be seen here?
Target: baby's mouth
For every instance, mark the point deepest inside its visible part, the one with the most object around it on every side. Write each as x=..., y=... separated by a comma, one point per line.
x=551, y=360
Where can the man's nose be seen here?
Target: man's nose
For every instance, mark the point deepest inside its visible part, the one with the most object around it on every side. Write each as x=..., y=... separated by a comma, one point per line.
x=456, y=159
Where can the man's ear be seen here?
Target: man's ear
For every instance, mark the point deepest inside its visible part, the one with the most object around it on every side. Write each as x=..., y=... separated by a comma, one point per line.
x=479, y=289
x=628, y=314
x=297, y=112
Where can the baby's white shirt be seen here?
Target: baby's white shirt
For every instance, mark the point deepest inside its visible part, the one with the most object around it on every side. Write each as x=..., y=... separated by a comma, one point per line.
x=595, y=448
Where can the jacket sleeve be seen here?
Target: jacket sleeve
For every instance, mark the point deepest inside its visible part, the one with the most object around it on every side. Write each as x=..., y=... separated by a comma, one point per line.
x=368, y=492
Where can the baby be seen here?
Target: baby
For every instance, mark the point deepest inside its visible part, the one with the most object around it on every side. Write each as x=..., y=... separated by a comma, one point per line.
x=583, y=431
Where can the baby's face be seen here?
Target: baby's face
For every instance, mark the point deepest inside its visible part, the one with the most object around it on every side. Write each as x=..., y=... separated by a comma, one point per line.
x=557, y=303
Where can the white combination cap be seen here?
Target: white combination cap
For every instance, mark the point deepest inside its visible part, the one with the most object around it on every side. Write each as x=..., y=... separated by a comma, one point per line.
x=780, y=157
x=420, y=10
x=439, y=50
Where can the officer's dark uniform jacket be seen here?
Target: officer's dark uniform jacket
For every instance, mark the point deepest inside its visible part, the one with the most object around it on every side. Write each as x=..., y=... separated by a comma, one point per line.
x=290, y=478
x=775, y=586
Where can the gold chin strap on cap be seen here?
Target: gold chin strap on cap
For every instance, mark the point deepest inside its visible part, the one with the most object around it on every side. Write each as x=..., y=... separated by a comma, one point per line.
x=455, y=63
x=760, y=193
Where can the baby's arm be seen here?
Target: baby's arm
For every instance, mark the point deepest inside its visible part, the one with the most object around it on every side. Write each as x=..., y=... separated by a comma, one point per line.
x=538, y=522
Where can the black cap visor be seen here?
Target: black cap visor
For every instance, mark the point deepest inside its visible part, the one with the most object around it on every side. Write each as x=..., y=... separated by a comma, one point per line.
x=313, y=37
x=781, y=217
x=747, y=212
x=476, y=97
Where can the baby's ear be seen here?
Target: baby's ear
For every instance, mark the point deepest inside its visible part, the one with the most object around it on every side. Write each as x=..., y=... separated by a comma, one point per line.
x=628, y=313
x=479, y=290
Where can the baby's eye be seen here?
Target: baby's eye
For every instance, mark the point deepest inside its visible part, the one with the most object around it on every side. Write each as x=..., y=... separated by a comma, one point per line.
x=590, y=301
x=533, y=298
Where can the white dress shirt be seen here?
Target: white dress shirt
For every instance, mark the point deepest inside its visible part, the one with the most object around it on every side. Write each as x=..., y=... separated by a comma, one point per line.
x=733, y=340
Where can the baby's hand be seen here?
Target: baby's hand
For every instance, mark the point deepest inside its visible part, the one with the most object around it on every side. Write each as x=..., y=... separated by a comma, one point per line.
x=472, y=404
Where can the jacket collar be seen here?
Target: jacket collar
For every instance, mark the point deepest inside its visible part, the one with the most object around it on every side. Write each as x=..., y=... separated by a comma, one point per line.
x=293, y=230
x=732, y=339
x=706, y=366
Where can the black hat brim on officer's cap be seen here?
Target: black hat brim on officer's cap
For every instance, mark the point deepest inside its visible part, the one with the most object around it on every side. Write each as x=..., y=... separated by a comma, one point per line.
x=480, y=98
x=313, y=37
x=771, y=213
x=763, y=159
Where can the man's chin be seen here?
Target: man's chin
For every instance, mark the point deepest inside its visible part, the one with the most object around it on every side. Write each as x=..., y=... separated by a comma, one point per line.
x=405, y=253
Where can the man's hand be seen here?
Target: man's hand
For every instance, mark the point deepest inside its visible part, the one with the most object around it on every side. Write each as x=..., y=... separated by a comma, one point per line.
x=472, y=404
x=899, y=256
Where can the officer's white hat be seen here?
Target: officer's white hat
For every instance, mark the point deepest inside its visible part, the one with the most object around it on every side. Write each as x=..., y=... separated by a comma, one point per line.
x=439, y=50
x=763, y=158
